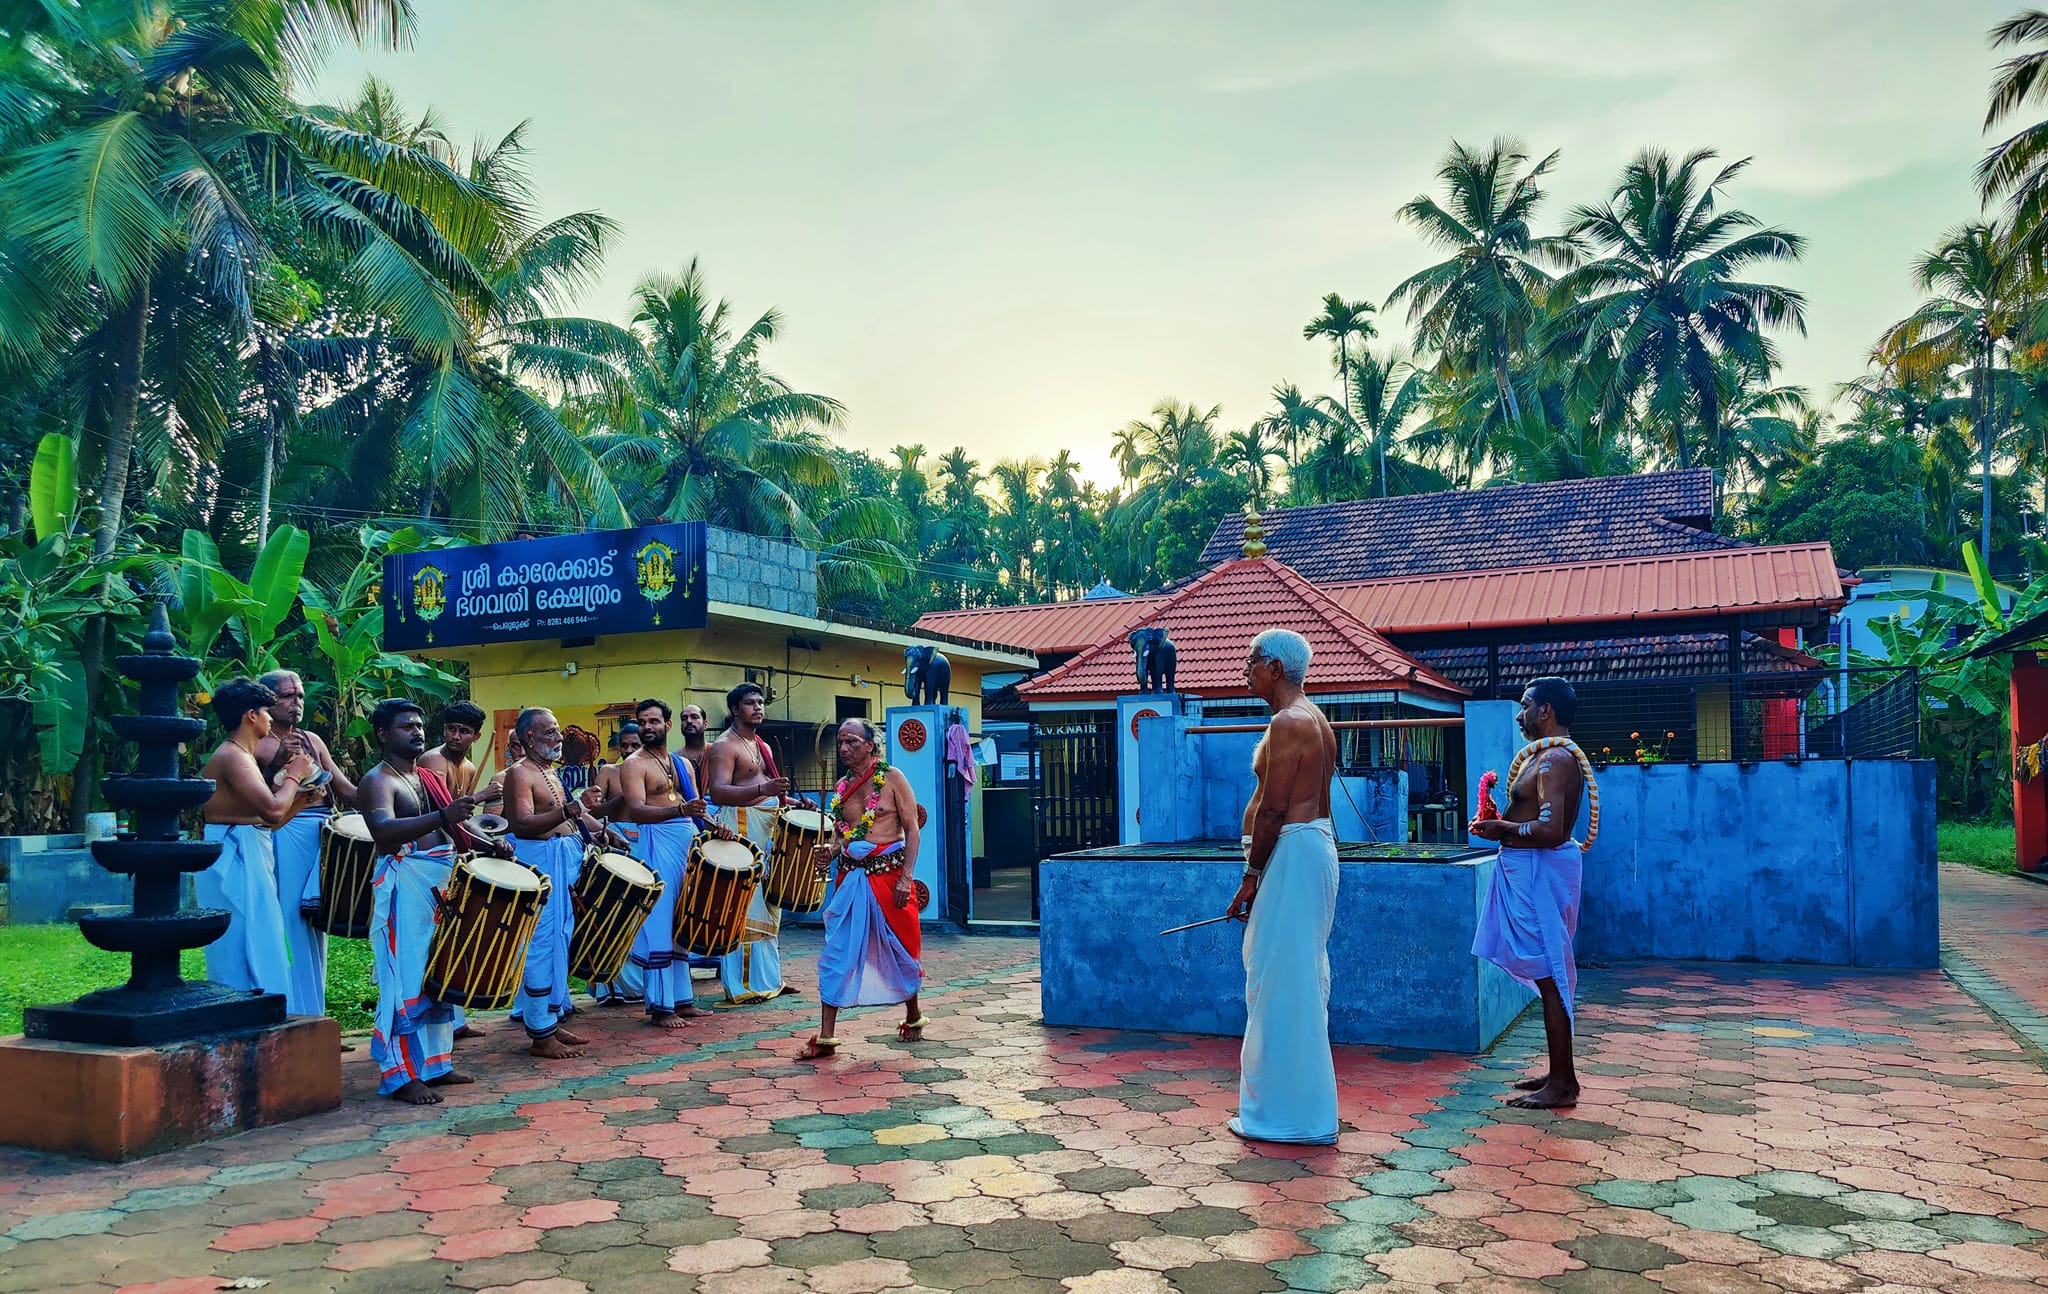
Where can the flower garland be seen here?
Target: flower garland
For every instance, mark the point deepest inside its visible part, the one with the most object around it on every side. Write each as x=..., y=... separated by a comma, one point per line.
x=859, y=830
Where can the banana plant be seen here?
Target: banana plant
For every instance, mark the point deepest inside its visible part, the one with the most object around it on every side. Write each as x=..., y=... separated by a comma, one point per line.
x=348, y=629
x=51, y=586
x=211, y=598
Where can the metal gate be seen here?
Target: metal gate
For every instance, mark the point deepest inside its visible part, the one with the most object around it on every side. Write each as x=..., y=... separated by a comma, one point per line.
x=1076, y=801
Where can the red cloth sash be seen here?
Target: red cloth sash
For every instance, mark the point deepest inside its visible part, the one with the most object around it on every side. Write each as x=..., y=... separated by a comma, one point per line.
x=440, y=797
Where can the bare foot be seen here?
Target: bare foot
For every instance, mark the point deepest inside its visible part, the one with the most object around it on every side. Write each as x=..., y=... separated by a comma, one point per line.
x=816, y=1050
x=573, y=1039
x=1535, y=1084
x=667, y=1020
x=469, y=1031
x=415, y=1093
x=1548, y=1097
x=450, y=1079
x=552, y=1049
x=690, y=1011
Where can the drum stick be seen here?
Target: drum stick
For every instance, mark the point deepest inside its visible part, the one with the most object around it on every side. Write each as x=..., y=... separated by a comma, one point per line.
x=1192, y=924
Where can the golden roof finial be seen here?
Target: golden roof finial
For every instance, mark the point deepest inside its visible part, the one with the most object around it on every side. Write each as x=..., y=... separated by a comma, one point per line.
x=1254, y=535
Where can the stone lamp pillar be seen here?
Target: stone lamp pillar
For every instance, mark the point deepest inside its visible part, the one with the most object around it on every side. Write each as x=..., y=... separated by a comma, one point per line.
x=160, y=1061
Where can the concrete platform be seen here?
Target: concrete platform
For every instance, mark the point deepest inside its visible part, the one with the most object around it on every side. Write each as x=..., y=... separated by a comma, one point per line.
x=122, y=1103
x=1401, y=969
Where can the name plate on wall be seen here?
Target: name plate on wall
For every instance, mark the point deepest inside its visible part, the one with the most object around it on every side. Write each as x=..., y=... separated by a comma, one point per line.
x=566, y=586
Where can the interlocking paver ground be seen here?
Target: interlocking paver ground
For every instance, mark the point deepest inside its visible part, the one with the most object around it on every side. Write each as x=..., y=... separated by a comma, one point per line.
x=1743, y=1129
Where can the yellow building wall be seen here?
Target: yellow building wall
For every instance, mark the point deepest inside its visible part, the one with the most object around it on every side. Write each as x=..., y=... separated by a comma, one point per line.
x=697, y=667
x=1715, y=723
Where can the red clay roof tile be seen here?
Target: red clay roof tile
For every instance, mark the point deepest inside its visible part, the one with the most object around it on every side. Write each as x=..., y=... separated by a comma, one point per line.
x=1212, y=621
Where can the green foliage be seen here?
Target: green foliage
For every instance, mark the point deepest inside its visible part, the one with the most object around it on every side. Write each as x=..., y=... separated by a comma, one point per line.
x=210, y=599
x=1986, y=846
x=1964, y=701
x=347, y=629
x=1862, y=494
x=53, y=486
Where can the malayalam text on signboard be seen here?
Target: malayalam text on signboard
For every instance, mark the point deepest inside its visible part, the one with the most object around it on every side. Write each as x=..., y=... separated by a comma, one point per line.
x=568, y=586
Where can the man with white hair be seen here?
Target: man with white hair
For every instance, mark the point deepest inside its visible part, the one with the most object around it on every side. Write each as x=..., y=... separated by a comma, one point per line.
x=1287, y=1090
x=298, y=839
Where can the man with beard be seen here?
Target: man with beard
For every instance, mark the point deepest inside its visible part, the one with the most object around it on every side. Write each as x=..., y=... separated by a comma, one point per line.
x=244, y=809
x=1532, y=911
x=690, y=721
x=740, y=772
x=416, y=824
x=462, y=722
x=660, y=796
x=549, y=828
x=298, y=839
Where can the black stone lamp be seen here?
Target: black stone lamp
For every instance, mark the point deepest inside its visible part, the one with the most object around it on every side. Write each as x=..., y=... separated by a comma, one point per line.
x=156, y=1005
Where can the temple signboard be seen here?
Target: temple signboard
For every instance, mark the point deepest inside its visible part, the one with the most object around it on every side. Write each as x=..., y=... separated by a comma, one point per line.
x=566, y=586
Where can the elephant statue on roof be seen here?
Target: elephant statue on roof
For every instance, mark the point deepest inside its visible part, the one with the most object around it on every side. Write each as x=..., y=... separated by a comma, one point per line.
x=927, y=676
x=1156, y=658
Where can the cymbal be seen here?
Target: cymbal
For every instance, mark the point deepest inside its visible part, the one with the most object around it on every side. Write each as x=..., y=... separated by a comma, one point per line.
x=488, y=825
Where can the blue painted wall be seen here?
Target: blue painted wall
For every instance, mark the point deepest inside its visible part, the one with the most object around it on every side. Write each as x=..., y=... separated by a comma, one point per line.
x=1491, y=740
x=1402, y=973
x=1823, y=861
x=1195, y=786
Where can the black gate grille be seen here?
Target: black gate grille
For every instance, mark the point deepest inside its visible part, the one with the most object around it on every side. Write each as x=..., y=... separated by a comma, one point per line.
x=1076, y=801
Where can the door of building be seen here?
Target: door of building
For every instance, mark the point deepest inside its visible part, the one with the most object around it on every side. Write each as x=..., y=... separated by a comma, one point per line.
x=1075, y=802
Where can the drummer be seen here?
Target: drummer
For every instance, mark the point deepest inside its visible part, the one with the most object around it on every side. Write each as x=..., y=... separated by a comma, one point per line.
x=660, y=796
x=298, y=838
x=872, y=937
x=739, y=771
x=415, y=823
x=549, y=827
x=462, y=723
x=241, y=814
x=602, y=798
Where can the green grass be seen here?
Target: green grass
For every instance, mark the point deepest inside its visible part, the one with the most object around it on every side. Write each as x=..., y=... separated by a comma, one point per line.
x=45, y=964
x=1987, y=846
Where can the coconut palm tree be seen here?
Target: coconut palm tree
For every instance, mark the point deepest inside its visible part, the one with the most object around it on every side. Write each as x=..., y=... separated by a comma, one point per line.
x=1979, y=289
x=2015, y=168
x=144, y=142
x=1251, y=456
x=1647, y=321
x=1482, y=300
x=1342, y=322
x=1296, y=420
x=1018, y=524
x=703, y=428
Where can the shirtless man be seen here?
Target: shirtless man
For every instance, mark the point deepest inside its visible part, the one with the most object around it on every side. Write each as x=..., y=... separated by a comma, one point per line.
x=462, y=723
x=692, y=724
x=241, y=813
x=1532, y=911
x=601, y=797
x=297, y=840
x=1288, y=900
x=872, y=937
x=413, y=817
x=549, y=827
x=287, y=738
x=740, y=777
x=659, y=795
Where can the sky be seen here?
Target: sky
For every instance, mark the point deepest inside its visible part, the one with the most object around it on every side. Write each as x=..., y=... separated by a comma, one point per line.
x=1017, y=225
